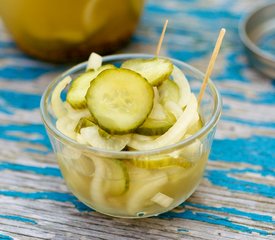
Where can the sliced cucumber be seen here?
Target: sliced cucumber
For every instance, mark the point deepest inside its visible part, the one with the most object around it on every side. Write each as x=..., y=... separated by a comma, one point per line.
x=117, y=177
x=110, y=142
x=152, y=127
x=110, y=178
x=161, y=162
x=159, y=120
x=56, y=102
x=168, y=91
x=83, y=123
x=79, y=87
x=155, y=70
x=120, y=100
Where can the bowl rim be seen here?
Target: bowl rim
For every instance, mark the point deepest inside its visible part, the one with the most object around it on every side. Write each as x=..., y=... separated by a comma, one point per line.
x=245, y=37
x=129, y=154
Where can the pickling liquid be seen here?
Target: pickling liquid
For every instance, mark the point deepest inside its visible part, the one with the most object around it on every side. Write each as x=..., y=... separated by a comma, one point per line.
x=69, y=30
x=97, y=190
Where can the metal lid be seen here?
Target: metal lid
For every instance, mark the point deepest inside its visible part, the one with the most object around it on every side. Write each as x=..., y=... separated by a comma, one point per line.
x=257, y=32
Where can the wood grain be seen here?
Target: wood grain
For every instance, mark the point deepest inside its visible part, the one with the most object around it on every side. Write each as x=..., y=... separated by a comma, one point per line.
x=235, y=199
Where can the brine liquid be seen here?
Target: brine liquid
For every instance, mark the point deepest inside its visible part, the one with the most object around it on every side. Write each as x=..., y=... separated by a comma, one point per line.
x=176, y=182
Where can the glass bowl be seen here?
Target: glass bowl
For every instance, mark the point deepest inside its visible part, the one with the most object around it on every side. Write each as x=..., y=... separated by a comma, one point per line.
x=128, y=184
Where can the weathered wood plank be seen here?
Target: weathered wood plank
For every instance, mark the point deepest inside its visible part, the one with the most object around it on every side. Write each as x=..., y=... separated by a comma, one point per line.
x=235, y=200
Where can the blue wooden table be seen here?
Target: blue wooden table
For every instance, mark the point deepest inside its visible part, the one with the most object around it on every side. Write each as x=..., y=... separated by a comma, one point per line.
x=236, y=197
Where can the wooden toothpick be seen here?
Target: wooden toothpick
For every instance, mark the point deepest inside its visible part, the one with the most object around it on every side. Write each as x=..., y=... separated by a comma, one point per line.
x=211, y=64
x=161, y=37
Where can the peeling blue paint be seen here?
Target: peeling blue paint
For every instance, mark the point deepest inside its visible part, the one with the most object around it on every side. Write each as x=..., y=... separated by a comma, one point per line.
x=213, y=219
x=18, y=218
x=53, y=196
x=213, y=14
x=266, y=98
x=234, y=72
x=5, y=237
x=6, y=133
x=233, y=211
x=158, y=9
x=19, y=100
x=224, y=178
x=256, y=150
x=46, y=171
x=249, y=123
x=24, y=73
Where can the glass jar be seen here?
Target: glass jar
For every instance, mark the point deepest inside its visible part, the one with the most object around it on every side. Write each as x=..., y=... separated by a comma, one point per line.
x=69, y=30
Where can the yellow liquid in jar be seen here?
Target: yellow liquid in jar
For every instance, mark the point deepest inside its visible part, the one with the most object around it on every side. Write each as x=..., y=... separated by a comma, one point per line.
x=68, y=30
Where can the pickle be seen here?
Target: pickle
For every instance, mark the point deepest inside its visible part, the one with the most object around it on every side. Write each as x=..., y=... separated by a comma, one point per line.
x=168, y=91
x=114, y=99
x=155, y=70
x=161, y=162
x=79, y=87
x=153, y=127
x=83, y=123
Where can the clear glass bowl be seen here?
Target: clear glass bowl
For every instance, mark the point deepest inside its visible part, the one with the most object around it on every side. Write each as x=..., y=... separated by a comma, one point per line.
x=114, y=183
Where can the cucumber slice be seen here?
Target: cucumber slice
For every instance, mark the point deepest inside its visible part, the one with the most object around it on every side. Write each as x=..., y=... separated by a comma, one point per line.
x=56, y=102
x=83, y=123
x=155, y=70
x=152, y=127
x=114, y=99
x=108, y=142
x=159, y=120
x=168, y=91
x=79, y=87
x=75, y=160
x=167, y=161
x=110, y=178
x=175, y=133
x=117, y=177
